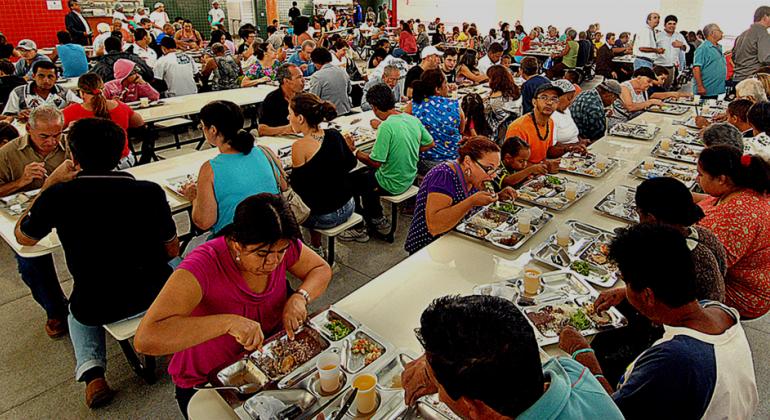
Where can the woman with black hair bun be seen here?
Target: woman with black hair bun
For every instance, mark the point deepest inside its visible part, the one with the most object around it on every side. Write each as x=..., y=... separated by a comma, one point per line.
x=738, y=212
x=237, y=172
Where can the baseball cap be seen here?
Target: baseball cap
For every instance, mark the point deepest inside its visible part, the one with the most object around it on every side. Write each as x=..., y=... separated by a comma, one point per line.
x=611, y=86
x=548, y=86
x=430, y=50
x=27, y=44
x=158, y=4
x=565, y=85
x=103, y=28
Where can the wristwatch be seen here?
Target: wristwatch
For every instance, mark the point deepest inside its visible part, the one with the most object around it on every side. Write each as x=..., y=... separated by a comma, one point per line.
x=304, y=294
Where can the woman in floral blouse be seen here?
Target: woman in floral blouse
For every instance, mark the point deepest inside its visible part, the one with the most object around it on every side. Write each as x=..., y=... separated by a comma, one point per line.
x=264, y=69
x=738, y=213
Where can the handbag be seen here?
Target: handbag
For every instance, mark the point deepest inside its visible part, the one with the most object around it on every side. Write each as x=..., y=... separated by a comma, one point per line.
x=298, y=207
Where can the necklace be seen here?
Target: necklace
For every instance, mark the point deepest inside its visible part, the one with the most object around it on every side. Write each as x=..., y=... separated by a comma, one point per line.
x=537, y=129
x=317, y=137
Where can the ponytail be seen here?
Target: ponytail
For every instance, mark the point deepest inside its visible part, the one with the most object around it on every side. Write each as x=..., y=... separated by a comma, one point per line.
x=745, y=171
x=313, y=109
x=227, y=117
x=92, y=84
x=427, y=85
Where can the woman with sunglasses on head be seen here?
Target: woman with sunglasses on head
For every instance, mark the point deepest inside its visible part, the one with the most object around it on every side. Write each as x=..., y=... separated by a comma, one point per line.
x=96, y=104
x=231, y=293
x=452, y=189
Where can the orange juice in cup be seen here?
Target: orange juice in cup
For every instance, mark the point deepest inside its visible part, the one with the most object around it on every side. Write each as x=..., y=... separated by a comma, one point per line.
x=328, y=366
x=532, y=280
x=366, y=398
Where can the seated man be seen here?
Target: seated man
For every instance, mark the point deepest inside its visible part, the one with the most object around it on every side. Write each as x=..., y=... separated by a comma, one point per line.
x=176, y=69
x=482, y=358
x=702, y=367
x=29, y=56
x=391, y=167
x=589, y=109
x=529, y=72
x=142, y=47
x=8, y=80
x=330, y=83
x=24, y=164
x=449, y=65
x=658, y=89
x=73, y=56
x=112, y=282
x=105, y=64
x=493, y=57
x=302, y=58
x=722, y=133
x=41, y=90
x=274, y=118
x=604, y=56
x=391, y=77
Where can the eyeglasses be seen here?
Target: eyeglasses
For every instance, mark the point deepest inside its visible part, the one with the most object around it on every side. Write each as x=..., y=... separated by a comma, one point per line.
x=488, y=170
x=551, y=99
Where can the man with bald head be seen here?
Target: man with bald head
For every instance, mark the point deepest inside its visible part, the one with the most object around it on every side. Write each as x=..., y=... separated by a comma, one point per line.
x=647, y=46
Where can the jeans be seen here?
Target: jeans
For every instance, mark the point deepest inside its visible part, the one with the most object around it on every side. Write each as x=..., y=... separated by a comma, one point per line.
x=638, y=63
x=126, y=162
x=367, y=192
x=39, y=274
x=330, y=220
x=88, y=343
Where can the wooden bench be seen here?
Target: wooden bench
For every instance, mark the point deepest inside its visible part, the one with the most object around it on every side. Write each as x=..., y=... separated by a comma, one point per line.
x=395, y=201
x=123, y=331
x=331, y=233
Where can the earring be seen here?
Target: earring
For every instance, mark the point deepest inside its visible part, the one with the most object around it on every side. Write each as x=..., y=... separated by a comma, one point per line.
x=467, y=172
x=238, y=257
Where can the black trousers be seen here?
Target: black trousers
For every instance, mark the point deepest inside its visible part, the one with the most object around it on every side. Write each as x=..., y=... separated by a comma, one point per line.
x=366, y=193
x=183, y=396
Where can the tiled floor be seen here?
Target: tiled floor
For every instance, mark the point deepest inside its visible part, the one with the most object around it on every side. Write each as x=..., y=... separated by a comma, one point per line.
x=37, y=372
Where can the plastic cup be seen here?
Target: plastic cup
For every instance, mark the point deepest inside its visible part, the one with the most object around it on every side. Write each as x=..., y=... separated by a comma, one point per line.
x=144, y=102
x=328, y=366
x=682, y=132
x=601, y=162
x=563, y=233
x=696, y=98
x=366, y=398
x=570, y=191
x=532, y=280
x=665, y=144
x=525, y=220
x=649, y=164
x=621, y=194
x=706, y=109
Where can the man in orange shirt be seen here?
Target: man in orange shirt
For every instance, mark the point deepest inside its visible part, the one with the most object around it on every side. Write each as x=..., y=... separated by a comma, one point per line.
x=536, y=128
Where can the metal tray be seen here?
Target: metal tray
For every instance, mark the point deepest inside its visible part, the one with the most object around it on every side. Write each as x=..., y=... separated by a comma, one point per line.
x=355, y=362
x=499, y=236
x=692, y=137
x=320, y=321
x=683, y=101
x=389, y=374
x=690, y=123
x=15, y=204
x=300, y=397
x=263, y=357
x=623, y=211
x=686, y=174
x=634, y=131
x=429, y=408
x=547, y=336
x=138, y=104
x=556, y=287
x=555, y=198
x=678, y=151
x=585, y=165
x=242, y=372
x=669, y=109
x=176, y=183
x=584, y=239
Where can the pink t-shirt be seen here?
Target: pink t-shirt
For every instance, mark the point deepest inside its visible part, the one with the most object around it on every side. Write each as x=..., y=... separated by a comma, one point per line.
x=226, y=292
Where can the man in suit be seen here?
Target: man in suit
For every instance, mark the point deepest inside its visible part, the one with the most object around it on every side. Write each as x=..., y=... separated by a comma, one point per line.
x=76, y=25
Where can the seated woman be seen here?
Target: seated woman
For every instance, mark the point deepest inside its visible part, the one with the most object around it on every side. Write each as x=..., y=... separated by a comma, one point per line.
x=222, y=183
x=128, y=85
x=321, y=165
x=95, y=104
x=501, y=103
x=442, y=116
x=633, y=97
x=525, y=45
x=473, y=108
x=264, y=69
x=232, y=292
x=738, y=212
x=452, y=189
x=516, y=167
x=188, y=38
x=467, y=69
x=407, y=43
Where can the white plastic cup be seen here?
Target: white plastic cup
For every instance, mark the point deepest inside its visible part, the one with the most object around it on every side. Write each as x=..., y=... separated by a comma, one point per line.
x=524, y=223
x=366, y=398
x=649, y=164
x=706, y=109
x=601, y=162
x=570, y=191
x=328, y=365
x=144, y=102
x=563, y=233
x=682, y=132
x=532, y=278
x=696, y=98
x=665, y=144
x=621, y=194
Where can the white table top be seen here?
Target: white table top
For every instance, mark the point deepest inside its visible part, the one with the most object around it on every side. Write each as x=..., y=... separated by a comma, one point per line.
x=627, y=59
x=392, y=303
x=71, y=83
x=191, y=104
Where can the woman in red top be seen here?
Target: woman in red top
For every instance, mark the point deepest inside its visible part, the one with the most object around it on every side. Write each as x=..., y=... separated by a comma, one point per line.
x=95, y=104
x=525, y=45
x=406, y=40
x=738, y=212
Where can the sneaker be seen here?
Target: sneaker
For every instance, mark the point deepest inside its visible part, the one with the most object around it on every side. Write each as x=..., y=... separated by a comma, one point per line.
x=353, y=234
x=98, y=393
x=56, y=328
x=381, y=225
x=318, y=250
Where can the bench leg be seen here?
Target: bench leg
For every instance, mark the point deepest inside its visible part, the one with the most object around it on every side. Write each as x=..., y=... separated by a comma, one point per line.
x=330, y=251
x=144, y=370
x=390, y=237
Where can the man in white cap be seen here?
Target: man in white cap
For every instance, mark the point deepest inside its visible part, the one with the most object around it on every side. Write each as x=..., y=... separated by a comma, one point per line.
x=431, y=59
x=140, y=14
x=29, y=56
x=159, y=17
x=216, y=15
x=565, y=130
x=118, y=14
x=105, y=31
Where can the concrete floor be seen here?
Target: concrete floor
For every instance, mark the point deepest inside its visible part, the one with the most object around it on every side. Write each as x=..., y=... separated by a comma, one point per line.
x=37, y=372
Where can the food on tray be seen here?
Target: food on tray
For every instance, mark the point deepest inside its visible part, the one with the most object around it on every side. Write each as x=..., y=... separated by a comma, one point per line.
x=600, y=256
x=668, y=109
x=553, y=180
x=395, y=382
x=551, y=319
x=366, y=348
x=337, y=329
x=549, y=191
x=580, y=320
x=509, y=240
x=505, y=206
x=581, y=267
x=489, y=219
x=286, y=355
x=637, y=131
x=474, y=230
x=679, y=151
x=600, y=319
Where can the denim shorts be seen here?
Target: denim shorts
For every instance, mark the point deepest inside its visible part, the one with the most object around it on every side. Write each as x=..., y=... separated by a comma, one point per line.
x=330, y=220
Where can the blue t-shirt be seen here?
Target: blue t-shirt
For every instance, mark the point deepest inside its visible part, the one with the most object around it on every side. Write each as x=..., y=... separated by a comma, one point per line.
x=298, y=61
x=713, y=68
x=441, y=116
x=573, y=393
x=528, y=92
x=73, y=59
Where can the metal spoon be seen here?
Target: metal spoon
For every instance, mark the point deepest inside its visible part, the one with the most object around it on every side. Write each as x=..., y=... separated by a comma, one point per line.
x=243, y=389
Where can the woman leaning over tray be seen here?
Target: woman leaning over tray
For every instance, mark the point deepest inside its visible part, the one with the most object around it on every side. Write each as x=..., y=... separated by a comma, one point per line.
x=451, y=189
x=738, y=213
x=231, y=292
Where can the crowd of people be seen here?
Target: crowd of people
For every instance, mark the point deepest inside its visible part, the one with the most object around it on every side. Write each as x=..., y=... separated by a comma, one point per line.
x=206, y=304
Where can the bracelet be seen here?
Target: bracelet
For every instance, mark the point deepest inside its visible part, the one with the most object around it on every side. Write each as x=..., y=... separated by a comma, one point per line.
x=599, y=376
x=304, y=294
x=581, y=351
